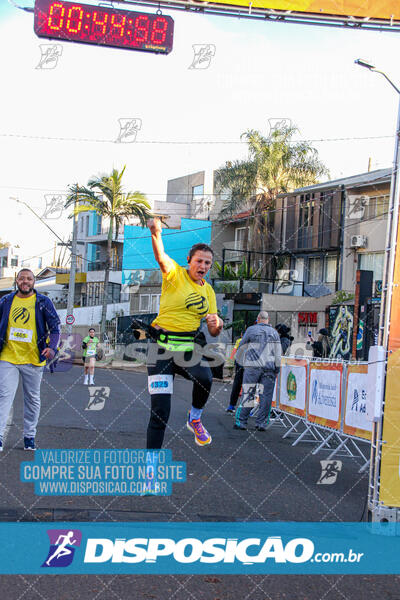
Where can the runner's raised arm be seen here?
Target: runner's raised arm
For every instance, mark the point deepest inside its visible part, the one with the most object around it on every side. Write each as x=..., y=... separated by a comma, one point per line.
x=166, y=264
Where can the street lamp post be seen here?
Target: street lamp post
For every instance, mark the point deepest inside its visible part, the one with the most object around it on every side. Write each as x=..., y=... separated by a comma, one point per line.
x=387, y=286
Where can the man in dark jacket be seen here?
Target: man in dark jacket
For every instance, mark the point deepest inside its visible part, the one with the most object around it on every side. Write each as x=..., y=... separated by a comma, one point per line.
x=260, y=354
x=27, y=319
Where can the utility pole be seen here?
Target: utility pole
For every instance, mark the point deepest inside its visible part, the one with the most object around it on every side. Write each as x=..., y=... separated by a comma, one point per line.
x=375, y=503
x=72, y=272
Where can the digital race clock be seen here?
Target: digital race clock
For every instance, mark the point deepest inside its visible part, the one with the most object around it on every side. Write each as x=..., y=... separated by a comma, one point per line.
x=76, y=22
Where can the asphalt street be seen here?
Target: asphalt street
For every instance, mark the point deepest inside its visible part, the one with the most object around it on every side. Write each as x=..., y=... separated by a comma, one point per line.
x=241, y=476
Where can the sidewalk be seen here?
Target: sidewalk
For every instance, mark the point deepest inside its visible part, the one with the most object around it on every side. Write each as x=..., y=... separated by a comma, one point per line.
x=135, y=366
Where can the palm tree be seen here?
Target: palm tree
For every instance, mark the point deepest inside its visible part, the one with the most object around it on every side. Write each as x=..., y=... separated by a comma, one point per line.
x=105, y=196
x=276, y=164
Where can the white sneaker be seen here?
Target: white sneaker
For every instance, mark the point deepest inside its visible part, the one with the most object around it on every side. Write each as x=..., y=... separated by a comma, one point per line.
x=91, y=381
x=86, y=382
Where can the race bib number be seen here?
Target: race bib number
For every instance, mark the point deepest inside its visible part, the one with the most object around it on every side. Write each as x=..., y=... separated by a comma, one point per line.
x=91, y=350
x=20, y=335
x=160, y=384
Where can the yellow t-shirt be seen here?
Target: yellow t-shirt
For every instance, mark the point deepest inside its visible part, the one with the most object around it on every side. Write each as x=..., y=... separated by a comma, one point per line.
x=183, y=302
x=20, y=346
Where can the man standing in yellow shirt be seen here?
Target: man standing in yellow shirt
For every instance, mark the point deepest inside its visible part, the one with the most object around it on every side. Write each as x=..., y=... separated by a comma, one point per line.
x=27, y=320
x=186, y=298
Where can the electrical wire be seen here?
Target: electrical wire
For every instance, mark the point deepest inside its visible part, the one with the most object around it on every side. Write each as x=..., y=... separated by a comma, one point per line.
x=25, y=8
x=183, y=142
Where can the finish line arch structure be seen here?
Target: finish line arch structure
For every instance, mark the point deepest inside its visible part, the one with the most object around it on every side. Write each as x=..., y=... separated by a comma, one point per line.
x=379, y=15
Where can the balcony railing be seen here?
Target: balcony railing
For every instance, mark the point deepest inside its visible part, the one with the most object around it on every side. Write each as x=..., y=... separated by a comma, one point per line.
x=234, y=251
x=101, y=265
x=282, y=287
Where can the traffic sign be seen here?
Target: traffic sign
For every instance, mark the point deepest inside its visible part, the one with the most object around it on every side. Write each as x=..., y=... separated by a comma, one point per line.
x=70, y=319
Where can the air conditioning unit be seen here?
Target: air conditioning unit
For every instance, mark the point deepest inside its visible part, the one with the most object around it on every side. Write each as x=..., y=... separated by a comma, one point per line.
x=358, y=241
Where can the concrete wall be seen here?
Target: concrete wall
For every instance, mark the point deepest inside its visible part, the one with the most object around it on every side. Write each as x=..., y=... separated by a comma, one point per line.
x=179, y=190
x=115, y=276
x=91, y=315
x=222, y=233
x=373, y=229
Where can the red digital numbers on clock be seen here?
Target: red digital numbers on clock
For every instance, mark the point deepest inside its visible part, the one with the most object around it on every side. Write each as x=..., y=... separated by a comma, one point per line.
x=71, y=21
x=74, y=19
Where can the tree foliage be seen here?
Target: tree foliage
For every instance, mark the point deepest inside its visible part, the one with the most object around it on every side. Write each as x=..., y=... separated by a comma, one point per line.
x=276, y=164
x=105, y=195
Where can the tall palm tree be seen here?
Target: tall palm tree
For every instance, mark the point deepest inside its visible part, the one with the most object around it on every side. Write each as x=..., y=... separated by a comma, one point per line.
x=104, y=195
x=276, y=164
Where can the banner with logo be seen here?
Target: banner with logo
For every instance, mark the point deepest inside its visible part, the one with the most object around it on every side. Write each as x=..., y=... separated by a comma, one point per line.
x=357, y=421
x=389, y=492
x=249, y=548
x=293, y=386
x=325, y=394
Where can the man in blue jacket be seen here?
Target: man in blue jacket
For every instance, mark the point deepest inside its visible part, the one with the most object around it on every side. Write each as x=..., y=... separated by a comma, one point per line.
x=259, y=352
x=26, y=320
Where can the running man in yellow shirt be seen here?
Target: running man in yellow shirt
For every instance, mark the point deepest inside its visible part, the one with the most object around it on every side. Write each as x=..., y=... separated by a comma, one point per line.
x=186, y=298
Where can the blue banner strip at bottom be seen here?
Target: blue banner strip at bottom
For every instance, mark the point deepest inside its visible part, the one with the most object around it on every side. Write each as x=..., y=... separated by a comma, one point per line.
x=205, y=548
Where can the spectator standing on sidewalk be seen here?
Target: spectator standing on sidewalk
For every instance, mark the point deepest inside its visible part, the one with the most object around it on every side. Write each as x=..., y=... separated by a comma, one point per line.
x=26, y=319
x=321, y=347
x=237, y=380
x=259, y=353
x=286, y=339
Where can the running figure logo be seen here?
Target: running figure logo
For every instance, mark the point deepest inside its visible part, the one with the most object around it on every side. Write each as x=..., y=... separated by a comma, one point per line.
x=128, y=129
x=54, y=206
x=97, y=397
x=62, y=547
x=50, y=53
x=203, y=54
x=330, y=470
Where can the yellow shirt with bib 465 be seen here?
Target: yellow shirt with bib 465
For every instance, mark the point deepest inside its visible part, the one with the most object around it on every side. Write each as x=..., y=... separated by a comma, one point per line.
x=21, y=347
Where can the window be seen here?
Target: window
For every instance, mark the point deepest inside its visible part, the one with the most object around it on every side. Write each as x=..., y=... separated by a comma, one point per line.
x=98, y=224
x=4, y=261
x=382, y=207
x=240, y=235
x=330, y=269
x=87, y=225
x=198, y=200
x=14, y=261
x=114, y=292
x=197, y=190
x=372, y=261
x=144, y=303
x=377, y=207
x=314, y=270
x=155, y=303
x=306, y=215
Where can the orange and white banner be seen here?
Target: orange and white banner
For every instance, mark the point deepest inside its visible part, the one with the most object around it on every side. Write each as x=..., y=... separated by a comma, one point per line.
x=357, y=420
x=325, y=394
x=293, y=386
